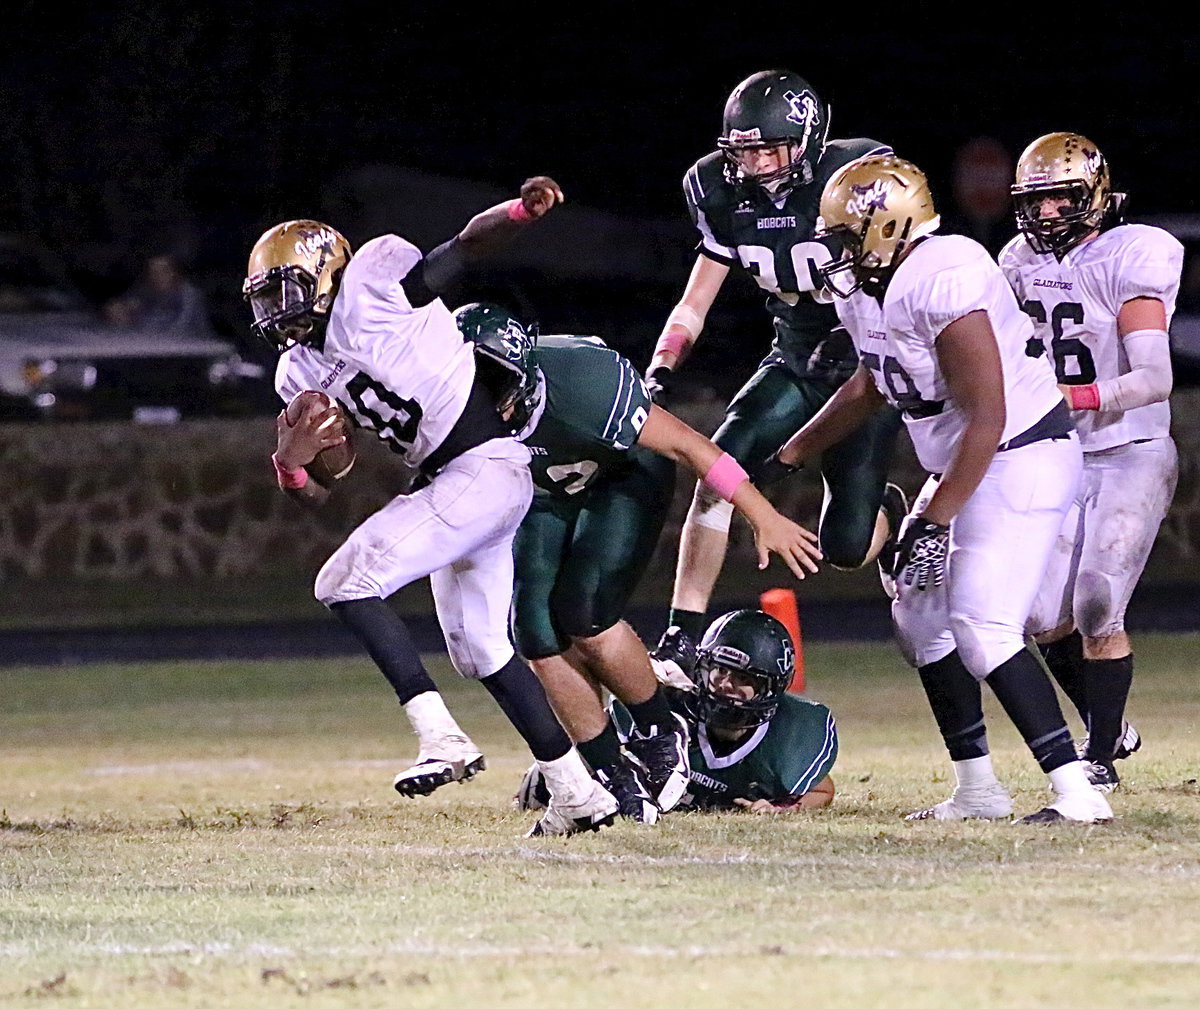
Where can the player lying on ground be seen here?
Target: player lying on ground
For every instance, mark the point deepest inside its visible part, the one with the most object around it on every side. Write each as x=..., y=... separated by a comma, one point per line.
x=603, y=468
x=1101, y=294
x=940, y=335
x=754, y=203
x=754, y=746
x=372, y=333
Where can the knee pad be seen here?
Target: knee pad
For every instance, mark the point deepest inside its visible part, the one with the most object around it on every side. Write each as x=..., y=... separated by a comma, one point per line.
x=710, y=511
x=984, y=647
x=341, y=580
x=477, y=655
x=1096, y=613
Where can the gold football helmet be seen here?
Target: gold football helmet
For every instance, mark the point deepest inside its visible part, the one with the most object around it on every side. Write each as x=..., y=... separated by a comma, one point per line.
x=876, y=207
x=292, y=280
x=1069, y=171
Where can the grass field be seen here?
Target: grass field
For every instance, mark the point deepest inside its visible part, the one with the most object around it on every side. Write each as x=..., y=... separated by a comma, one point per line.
x=225, y=834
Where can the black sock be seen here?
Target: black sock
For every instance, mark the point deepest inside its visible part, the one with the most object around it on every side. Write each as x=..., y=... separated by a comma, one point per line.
x=957, y=703
x=1108, y=682
x=1027, y=695
x=602, y=751
x=651, y=713
x=692, y=623
x=388, y=642
x=521, y=697
x=1064, y=659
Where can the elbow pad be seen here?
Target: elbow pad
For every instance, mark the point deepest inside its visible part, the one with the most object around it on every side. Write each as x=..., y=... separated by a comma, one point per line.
x=1149, y=377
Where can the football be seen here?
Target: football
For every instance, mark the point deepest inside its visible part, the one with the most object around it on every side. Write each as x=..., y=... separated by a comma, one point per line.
x=333, y=463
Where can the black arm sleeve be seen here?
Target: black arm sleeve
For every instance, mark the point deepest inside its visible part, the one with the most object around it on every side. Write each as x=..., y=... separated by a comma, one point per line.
x=434, y=274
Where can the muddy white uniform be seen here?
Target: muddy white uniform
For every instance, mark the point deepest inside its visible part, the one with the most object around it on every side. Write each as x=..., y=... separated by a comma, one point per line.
x=1001, y=539
x=1130, y=462
x=407, y=374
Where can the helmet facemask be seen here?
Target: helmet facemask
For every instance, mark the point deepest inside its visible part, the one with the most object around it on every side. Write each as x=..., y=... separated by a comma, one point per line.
x=721, y=677
x=740, y=163
x=1079, y=217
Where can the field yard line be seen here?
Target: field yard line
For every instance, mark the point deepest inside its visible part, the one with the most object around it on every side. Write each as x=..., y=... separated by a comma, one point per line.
x=471, y=952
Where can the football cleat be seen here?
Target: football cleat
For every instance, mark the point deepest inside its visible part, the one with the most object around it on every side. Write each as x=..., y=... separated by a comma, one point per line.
x=1074, y=807
x=662, y=761
x=894, y=505
x=982, y=802
x=1102, y=775
x=453, y=758
x=598, y=810
x=532, y=793
x=677, y=652
x=1129, y=743
x=633, y=799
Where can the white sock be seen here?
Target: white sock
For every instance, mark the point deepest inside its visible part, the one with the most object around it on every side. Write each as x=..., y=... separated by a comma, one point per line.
x=1069, y=778
x=567, y=778
x=430, y=718
x=975, y=772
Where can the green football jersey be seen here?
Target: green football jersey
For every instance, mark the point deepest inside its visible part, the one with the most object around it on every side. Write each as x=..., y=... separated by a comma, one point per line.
x=595, y=406
x=786, y=756
x=741, y=224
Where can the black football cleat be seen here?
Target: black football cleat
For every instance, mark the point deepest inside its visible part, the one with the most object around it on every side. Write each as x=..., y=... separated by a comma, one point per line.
x=894, y=505
x=633, y=798
x=662, y=760
x=1102, y=775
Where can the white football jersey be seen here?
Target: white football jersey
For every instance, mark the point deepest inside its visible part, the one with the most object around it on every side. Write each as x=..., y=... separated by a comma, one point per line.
x=940, y=281
x=1074, y=305
x=403, y=372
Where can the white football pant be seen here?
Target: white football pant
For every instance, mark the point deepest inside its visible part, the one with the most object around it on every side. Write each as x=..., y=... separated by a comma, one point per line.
x=1106, y=538
x=1000, y=543
x=459, y=530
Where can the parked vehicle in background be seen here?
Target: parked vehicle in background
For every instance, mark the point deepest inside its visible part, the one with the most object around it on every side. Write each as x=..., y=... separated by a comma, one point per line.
x=60, y=359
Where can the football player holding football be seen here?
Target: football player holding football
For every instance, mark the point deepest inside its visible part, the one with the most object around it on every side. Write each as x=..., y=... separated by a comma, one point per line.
x=941, y=337
x=1101, y=294
x=754, y=746
x=603, y=463
x=754, y=202
x=371, y=332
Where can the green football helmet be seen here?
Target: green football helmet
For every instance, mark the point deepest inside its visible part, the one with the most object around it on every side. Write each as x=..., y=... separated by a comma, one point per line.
x=504, y=358
x=742, y=650
x=769, y=109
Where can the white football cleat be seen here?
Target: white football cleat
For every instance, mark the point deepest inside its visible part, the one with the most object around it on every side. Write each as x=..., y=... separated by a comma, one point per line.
x=1079, y=806
x=597, y=810
x=979, y=802
x=451, y=758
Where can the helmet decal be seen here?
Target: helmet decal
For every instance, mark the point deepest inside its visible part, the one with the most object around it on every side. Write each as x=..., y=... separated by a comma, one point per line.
x=752, y=136
x=309, y=242
x=805, y=108
x=868, y=198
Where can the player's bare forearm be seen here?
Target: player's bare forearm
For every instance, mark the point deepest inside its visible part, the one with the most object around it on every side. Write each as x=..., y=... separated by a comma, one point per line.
x=819, y=796
x=496, y=225
x=847, y=410
x=970, y=360
x=311, y=495
x=684, y=324
x=667, y=435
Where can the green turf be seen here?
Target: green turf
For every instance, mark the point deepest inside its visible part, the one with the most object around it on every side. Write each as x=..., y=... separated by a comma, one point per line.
x=204, y=834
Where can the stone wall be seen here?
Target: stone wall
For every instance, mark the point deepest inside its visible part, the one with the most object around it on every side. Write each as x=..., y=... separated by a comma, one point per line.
x=198, y=500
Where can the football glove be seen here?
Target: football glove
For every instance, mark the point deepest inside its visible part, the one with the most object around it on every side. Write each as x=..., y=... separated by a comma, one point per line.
x=774, y=470
x=921, y=554
x=659, y=383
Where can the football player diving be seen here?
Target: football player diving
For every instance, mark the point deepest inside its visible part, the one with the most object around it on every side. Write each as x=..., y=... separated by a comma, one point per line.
x=1101, y=294
x=754, y=746
x=754, y=202
x=370, y=330
x=941, y=337
x=603, y=463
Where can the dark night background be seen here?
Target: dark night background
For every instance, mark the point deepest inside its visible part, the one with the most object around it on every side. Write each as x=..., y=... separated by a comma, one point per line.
x=192, y=128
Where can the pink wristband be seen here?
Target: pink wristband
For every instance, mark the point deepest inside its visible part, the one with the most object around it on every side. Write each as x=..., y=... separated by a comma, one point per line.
x=675, y=339
x=725, y=476
x=289, y=479
x=517, y=212
x=1084, y=397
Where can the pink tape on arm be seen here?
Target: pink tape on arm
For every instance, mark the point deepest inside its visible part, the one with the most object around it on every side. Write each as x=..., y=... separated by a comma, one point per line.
x=517, y=212
x=290, y=479
x=1084, y=397
x=674, y=340
x=725, y=476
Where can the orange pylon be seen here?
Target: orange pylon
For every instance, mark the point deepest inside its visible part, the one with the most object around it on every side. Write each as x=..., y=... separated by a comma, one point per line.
x=781, y=604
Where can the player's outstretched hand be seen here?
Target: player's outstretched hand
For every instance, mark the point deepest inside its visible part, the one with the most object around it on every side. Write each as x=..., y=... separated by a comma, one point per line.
x=795, y=544
x=539, y=195
x=299, y=444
